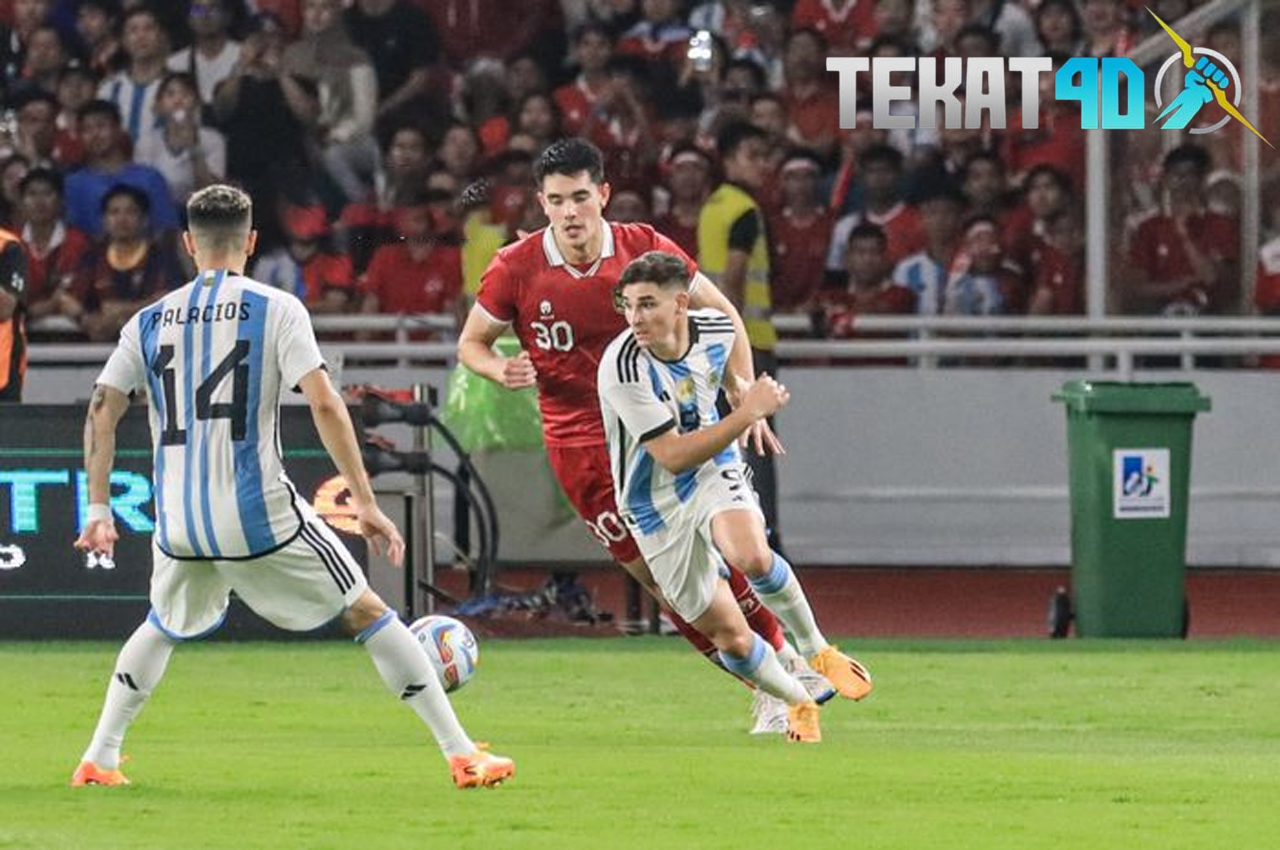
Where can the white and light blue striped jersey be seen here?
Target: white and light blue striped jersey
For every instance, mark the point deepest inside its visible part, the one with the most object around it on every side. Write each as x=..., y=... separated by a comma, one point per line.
x=642, y=397
x=213, y=357
x=927, y=278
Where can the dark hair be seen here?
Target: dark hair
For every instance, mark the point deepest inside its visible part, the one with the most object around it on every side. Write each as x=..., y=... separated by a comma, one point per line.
x=569, y=157
x=49, y=176
x=219, y=214
x=752, y=67
x=103, y=108
x=24, y=99
x=1077, y=25
x=1057, y=175
x=185, y=77
x=124, y=190
x=987, y=34
x=817, y=36
x=657, y=267
x=1194, y=154
x=736, y=134
x=144, y=9
x=886, y=154
x=591, y=26
x=985, y=156
x=867, y=230
x=111, y=8
x=938, y=187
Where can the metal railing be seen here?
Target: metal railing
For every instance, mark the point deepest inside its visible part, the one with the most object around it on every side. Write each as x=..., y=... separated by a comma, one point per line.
x=959, y=339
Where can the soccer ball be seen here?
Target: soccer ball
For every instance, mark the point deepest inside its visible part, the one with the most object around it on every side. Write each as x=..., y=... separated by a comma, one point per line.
x=450, y=646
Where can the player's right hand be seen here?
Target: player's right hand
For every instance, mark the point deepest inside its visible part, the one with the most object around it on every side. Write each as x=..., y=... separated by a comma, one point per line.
x=764, y=397
x=98, y=537
x=518, y=372
x=382, y=534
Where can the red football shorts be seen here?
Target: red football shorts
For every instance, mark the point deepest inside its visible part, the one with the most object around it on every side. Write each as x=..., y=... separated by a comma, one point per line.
x=585, y=476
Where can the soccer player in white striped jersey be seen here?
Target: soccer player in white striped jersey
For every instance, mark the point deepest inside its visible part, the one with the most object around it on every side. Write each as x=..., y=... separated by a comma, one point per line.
x=681, y=486
x=213, y=357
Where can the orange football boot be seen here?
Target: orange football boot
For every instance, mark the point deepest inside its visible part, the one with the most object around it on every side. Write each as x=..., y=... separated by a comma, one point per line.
x=847, y=676
x=89, y=773
x=802, y=723
x=481, y=769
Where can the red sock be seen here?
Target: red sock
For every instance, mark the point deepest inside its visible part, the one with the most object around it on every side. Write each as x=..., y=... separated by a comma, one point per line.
x=695, y=637
x=761, y=620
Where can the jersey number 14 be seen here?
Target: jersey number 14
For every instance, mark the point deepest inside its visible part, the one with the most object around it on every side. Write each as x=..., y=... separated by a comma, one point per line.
x=236, y=410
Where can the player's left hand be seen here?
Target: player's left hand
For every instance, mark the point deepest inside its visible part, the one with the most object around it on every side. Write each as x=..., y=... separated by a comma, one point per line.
x=99, y=537
x=382, y=534
x=761, y=438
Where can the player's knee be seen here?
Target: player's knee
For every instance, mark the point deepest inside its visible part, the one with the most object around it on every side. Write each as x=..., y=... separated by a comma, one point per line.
x=754, y=558
x=363, y=613
x=735, y=642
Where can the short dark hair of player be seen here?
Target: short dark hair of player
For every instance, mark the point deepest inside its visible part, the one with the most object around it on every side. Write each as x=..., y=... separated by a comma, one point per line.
x=569, y=157
x=104, y=108
x=50, y=177
x=124, y=190
x=736, y=134
x=657, y=267
x=1193, y=154
x=867, y=230
x=219, y=217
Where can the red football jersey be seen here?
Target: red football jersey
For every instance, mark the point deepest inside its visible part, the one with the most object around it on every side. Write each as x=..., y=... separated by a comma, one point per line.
x=564, y=316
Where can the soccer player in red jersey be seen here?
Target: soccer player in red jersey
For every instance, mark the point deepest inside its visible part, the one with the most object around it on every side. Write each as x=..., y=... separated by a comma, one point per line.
x=554, y=289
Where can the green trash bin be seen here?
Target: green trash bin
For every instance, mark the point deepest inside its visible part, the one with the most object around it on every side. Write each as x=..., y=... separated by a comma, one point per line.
x=1129, y=449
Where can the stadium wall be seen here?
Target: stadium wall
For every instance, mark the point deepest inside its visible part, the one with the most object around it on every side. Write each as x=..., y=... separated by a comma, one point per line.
x=906, y=467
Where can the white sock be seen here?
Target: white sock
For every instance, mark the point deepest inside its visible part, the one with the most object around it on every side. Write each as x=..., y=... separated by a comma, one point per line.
x=762, y=667
x=409, y=675
x=787, y=656
x=781, y=591
x=139, y=669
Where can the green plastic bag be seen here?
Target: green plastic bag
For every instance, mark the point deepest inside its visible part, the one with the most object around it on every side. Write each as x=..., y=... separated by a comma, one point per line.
x=488, y=417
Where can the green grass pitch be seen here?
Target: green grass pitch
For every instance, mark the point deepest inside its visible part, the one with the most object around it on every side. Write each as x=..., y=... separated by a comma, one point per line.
x=638, y=743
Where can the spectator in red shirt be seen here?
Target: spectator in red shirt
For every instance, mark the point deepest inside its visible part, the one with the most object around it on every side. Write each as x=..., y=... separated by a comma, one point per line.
x=871, y=291
x=689, y=181
x=985, y=185
x=38, y=137
x=592, y=49
x=1058, y=141
x=1057, y=275
x=55, y=251
x=1183, y=260
x=813, y=103
x=420, y=273
x=323, y=278
x=1046, y=193
x=497, y=28
x=847, y=25
x=801, y=231
x=881, y=169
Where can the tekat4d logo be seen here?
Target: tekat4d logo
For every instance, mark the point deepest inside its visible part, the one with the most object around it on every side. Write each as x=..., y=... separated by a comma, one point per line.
x=1095, y=84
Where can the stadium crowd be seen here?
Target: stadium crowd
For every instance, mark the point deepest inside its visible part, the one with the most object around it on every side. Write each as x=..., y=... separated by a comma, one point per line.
x=358, y=127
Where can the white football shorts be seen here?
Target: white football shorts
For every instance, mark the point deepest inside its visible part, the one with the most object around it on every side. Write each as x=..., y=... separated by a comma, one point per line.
x=681, y=556
x=299, y=587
